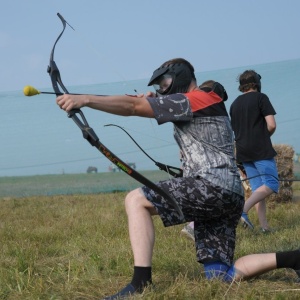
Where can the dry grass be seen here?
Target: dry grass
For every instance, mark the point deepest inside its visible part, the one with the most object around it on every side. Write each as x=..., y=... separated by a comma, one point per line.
x=76, y=247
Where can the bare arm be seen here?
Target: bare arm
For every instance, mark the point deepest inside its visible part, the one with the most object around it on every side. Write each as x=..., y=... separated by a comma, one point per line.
x=119, y=105
x=271, y=123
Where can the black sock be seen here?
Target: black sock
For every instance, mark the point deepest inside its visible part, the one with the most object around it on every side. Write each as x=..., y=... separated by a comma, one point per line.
x=288, y=259
x=142, y=277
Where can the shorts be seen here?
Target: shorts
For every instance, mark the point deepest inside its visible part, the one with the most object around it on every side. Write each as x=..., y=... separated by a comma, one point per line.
x=219, y=271
x=266, y=172
x=214, y=210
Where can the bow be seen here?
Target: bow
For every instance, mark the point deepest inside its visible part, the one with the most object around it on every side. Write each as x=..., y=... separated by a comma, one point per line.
x=173, y=171
x=88, y=133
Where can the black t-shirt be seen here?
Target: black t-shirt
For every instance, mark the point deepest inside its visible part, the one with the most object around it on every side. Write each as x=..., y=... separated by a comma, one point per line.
x=252, y=137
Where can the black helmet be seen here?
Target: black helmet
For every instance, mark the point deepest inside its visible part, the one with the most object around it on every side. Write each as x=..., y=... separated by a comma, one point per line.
x=171, y=79
x=214, y=86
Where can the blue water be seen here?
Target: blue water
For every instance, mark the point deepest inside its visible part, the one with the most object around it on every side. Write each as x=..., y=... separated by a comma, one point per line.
x=38, y=138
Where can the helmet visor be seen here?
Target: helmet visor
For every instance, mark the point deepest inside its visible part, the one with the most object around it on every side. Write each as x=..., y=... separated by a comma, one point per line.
x=163, y=84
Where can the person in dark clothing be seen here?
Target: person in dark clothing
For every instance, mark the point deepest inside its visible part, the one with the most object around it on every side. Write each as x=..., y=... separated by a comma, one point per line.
x=253, y=123
x=207, y=86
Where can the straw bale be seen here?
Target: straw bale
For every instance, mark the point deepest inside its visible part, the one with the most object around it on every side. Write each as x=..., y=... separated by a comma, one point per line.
x=285, y=194
x=284, y=151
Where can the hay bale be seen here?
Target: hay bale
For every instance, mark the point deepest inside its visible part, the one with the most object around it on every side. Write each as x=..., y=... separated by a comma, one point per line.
x=285, y=194
x=285, y=168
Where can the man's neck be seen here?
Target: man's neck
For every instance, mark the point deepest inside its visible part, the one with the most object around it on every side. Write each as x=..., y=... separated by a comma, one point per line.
x=193, y=87
x=251, y=90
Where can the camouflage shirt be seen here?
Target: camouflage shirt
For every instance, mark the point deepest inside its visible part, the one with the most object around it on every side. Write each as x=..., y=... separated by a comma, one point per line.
x=204, y=135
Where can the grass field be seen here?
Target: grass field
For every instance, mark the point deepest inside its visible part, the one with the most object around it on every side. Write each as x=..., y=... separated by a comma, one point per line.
x=67, y=184
x=71, y=184
x=75, y=246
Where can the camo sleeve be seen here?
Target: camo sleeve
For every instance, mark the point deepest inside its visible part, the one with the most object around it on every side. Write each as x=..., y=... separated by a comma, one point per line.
x=171, y=108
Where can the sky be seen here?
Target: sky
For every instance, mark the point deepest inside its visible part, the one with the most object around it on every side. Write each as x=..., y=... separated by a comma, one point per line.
x=119, y=40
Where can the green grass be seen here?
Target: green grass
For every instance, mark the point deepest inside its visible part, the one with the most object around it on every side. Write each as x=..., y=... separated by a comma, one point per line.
x=76, y=247
x=72, y=183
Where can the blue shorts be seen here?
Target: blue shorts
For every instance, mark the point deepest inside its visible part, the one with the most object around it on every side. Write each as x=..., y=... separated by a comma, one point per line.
x=266, y=172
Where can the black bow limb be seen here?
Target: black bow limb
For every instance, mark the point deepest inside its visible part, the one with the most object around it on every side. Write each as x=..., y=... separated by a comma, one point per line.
x=88, y=133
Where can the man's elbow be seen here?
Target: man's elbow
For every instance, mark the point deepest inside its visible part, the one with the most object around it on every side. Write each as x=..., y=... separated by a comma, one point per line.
x=272, y=128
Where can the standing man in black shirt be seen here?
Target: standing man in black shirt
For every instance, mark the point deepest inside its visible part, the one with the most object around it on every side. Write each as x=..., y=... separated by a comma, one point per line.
x=253, y=122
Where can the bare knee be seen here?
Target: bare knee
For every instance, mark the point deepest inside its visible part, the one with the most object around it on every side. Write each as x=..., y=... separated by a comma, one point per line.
x=265, y=191
x=136, y=200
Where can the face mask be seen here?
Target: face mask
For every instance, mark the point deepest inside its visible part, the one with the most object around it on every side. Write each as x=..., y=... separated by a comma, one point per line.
x=163, y=84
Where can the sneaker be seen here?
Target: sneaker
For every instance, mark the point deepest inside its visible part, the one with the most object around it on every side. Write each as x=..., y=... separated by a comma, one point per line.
x=126, y=292
x=188, y=231
x=246, y=222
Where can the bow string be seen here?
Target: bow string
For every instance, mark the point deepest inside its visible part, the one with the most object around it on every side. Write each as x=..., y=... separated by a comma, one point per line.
x=173, y=171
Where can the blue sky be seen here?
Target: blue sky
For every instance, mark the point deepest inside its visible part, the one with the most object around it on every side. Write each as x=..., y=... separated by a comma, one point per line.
x=119, y=40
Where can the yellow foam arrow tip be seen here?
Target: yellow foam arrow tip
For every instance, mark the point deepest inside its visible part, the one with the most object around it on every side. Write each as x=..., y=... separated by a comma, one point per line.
x=30, y=91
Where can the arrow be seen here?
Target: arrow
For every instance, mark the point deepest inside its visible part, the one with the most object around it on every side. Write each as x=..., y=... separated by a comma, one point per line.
x=32, y=91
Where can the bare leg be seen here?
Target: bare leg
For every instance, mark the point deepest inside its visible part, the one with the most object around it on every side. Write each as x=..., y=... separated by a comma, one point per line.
x=261, y=209
x=254, y=265
x=141, y=229
x=141, y=233
x=258, y=195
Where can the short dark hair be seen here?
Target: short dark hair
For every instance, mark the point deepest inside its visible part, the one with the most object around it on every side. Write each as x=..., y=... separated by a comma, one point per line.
x=248, y=80
x=207, y=83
